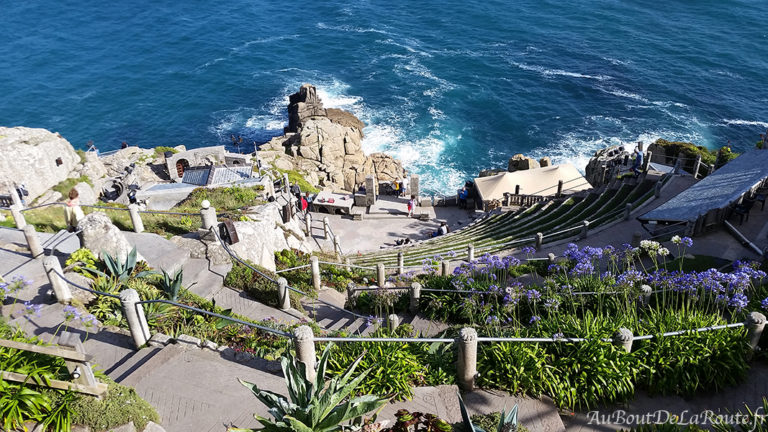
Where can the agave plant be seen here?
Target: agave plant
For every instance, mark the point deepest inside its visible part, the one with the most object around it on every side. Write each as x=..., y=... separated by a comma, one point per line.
x=172, y=284
x=507, y=422
x=315, y=405
x=120, y=270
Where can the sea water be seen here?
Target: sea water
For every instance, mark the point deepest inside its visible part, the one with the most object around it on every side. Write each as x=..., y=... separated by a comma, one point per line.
x=449, y=87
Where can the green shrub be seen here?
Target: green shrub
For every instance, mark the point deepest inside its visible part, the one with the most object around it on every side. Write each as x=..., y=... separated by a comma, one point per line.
x=86, y=258
x=160, y=150
x=261, y=289
x=227, y=199
x=121, y=405
x=296, y=177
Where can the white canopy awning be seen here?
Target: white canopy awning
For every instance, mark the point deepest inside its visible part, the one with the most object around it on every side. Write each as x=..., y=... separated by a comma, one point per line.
x=538, y=181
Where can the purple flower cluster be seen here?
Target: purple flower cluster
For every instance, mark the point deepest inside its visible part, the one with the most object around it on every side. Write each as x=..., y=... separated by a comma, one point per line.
x=533, y=295
x=534, y=319
x=72, y=314
x=32, y=308
x=764, y=303
x=528, y=250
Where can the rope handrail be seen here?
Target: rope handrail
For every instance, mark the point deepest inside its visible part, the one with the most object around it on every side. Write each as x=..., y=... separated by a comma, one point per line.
x=563, y=231
x=92, y=291
x=228, y=318
x=293, y=268
x=173, y=213
x=296, y=290
x=42, y=205
x=63, y=239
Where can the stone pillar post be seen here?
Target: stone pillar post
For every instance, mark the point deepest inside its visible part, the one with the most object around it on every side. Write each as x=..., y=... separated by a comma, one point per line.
x=208, y=215
x=394, y=321
x=308, y=224
x=400, y=262
x=138, y=224
x=2, y=217
x=471, y=253
x=414, y=189
x=623, y=338
x=33, y=241
x=539, y=240
x=415, y=297
x=18, y=216
x=60, y=288
x=348, y=263
x=696, y=166
x=351, y=290
x=627, y=210
x=315, y=266
x=657, y=189
x=283, y=294
x=445, y=267
x=636, y=237
x=755, y=325
x=337, y=246
x=286, y=183
x=381, y=274
x=559, y=188
x=584, y=229
x=467, y=364
x=134, y=314
x=326, y=228
x=305, y=349
x=370, y=190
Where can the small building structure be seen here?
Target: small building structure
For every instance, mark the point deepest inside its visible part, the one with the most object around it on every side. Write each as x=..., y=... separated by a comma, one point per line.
x=178, y=164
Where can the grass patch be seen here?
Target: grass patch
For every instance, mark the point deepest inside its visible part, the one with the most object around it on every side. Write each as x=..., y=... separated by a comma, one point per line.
x=81, y=153
x=160, y=150
x=296, y=177
x=120, y=406
x=65, y=186
x=222, y=199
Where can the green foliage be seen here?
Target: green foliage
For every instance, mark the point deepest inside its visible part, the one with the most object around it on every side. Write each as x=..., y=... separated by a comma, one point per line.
x=85, y=258
x=315, y=405
x=261, y=289
x=507, y=420
x=407, y=421
x=66, y=185
x=121, y=271
x=687, y=150
x=171, y=285
x=490, y=422
x=397, y=366
x=121, y=405
x=81, y=153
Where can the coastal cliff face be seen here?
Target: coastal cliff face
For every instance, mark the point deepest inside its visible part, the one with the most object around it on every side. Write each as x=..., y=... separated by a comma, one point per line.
x=40, y=159
x=325, y=146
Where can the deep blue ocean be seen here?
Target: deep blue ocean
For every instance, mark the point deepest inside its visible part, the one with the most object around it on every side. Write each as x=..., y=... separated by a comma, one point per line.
x=449, y=87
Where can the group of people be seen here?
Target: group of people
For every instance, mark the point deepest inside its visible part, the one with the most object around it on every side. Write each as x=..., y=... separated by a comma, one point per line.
x=302, y=200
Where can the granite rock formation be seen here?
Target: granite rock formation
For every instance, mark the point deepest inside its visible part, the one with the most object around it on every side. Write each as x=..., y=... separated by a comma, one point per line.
x=520, y=162
x=603, y=159
x=266, y=234
x=37, y=158
x=325, y=146
x=102, y=237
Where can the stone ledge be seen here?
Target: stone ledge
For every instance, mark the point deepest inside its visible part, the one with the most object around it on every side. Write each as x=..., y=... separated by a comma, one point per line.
x=188, y=340
x=159, y=340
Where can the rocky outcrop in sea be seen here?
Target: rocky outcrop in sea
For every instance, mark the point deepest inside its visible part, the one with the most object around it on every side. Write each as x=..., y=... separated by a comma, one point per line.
x=324, y=144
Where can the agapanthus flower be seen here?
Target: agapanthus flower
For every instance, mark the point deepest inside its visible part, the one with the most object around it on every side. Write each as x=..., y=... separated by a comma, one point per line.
x=557, y=336
x=32, y=308
x=534, y=319
x=528, y=250
x=764, y=303
x=553, y=268
x=552, y=303
x=738, y=301
x=70, y=313
x=533, y=294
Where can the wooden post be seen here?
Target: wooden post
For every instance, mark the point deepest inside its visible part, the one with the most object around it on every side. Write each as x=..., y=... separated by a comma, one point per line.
x=696, y=166
x=627, y=210
x=400, y=262
x=559, y=188
x=517, y=189
x=81, y=372
x=445, y=267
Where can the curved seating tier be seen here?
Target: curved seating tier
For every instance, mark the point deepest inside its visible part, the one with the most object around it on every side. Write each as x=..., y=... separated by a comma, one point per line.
x=557, y=219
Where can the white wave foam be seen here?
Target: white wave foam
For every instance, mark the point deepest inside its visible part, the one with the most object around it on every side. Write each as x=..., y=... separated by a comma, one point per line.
x=349, y=28
x=616, y=62
x=558, y=72
x=623, y=94
x=737, y=122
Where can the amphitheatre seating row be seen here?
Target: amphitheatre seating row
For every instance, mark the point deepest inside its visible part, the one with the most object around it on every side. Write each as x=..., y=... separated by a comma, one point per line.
x=557, y=219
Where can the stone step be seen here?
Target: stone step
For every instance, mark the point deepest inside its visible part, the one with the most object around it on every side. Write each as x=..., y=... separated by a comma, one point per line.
x=157, y=251
x=148, y=363
x=120, y=371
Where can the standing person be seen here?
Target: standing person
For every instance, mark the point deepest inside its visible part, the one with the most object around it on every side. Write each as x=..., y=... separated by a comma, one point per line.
x=72, y=212
x=22, y=191
x=637, y=166
x=296, y=190
x=308, y=198
x=463, y=194
x=304, y=205
x=411, y=205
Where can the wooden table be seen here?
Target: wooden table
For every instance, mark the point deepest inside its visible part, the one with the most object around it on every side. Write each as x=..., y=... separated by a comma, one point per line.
x=341, y=202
